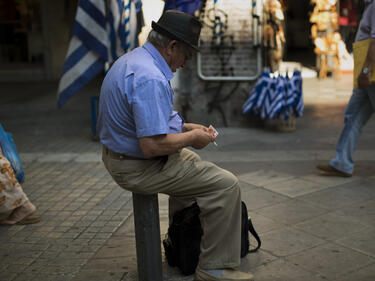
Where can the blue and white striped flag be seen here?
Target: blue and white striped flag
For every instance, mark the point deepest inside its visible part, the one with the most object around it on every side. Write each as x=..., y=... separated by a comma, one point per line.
x=99, y=37
x=294, y=98
x=275, y=97
x=266, y=100
x=258, y=94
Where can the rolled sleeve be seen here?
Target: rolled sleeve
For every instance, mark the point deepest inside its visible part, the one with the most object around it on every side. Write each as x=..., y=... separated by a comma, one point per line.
x=372, y=19
x=152, y=106
x=176, y=122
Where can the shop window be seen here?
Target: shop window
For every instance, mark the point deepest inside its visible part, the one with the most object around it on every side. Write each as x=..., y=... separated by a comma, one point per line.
x=21, y=37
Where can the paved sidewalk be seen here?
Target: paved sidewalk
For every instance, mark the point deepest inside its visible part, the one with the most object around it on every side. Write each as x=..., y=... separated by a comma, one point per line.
x=312, y=227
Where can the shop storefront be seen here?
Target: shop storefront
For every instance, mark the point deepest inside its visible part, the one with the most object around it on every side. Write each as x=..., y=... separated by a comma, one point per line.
x=33, y=38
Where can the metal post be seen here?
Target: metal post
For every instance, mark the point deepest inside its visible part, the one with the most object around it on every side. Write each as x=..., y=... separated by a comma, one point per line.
x=147, y=237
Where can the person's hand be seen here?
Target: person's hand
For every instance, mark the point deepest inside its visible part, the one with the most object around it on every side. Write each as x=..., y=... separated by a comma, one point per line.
x=192, y=126
x=364, y=81
x=211, y=130
x=202, y=138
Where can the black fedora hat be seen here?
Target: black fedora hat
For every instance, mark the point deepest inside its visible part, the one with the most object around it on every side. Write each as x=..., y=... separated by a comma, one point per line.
x=179, y=26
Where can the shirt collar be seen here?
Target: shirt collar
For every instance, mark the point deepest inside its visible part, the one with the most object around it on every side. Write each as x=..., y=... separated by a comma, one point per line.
x=160, y=61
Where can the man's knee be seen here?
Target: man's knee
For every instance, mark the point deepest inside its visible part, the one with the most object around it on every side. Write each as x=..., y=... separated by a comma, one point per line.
x=355, y=120
x=231, y=181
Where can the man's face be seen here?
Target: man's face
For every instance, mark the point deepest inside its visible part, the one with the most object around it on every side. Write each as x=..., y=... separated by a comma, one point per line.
x=180, y=53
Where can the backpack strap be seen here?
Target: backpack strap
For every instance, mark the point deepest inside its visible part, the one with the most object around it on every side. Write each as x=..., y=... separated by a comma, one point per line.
x=256, y=236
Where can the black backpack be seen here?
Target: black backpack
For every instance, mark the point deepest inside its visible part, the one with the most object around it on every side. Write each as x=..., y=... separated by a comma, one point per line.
x=182, y=244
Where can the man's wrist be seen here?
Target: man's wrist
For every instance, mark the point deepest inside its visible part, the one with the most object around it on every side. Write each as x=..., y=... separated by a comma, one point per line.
x=366, y=71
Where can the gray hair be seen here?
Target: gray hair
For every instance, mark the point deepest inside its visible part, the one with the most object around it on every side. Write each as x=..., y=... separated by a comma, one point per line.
x=158, y=39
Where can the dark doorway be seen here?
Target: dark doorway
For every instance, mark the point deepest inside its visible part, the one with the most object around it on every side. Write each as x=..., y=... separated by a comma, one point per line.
x=299, y=45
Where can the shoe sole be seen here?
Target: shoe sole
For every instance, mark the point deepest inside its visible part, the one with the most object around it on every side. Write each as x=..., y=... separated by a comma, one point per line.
x=330, y=171
x=334, y=174
x=202, y=276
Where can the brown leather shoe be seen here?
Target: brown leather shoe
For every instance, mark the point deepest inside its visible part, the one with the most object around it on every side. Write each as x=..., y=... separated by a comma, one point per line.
x=328, y=170
x=227, y=275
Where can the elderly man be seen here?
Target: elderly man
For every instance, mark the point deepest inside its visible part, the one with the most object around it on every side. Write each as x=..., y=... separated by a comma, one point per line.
x=144, y=143
x=362, y=102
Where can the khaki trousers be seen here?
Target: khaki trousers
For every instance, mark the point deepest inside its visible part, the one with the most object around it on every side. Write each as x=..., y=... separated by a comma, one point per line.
x=187, y=179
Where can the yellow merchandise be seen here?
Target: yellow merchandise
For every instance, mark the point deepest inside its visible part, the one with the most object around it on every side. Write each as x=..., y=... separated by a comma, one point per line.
x=360, y=50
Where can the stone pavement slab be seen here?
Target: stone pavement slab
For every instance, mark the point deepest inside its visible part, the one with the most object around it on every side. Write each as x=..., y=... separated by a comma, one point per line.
x=331, y=261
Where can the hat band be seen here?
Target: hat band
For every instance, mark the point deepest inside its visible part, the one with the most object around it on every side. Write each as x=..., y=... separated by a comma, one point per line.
x=160, y=29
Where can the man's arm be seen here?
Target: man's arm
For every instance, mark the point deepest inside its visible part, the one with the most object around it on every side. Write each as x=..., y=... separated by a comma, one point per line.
x=171, y=143
x=364, y=79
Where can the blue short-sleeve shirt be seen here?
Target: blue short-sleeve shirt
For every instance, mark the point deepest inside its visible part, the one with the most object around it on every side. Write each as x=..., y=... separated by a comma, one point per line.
x=366, y=28
x=136, y=100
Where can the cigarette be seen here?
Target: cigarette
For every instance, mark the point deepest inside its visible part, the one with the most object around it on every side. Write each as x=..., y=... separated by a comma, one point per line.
x=215, y=133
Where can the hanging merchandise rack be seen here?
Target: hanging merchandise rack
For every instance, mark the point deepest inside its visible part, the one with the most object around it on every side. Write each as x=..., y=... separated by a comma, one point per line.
x=230, y=43
x=277, y=96
x=273, y=34
x=327, y=39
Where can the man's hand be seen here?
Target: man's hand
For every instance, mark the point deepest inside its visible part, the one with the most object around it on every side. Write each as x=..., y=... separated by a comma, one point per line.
x=171, y=143
x=364, y=81
x=192, y=126
x=202, y=137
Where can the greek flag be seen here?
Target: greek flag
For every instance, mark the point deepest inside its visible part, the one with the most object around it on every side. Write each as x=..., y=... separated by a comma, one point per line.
x=102, y=32
x=267, y=97
x=295, y=88
x=275, y=97
x=275, y=102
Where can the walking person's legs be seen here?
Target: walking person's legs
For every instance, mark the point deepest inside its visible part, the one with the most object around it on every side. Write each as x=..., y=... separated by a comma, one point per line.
x=357, y=113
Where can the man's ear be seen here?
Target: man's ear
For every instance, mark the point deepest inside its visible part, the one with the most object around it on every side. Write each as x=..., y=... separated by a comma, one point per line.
x=171, y=45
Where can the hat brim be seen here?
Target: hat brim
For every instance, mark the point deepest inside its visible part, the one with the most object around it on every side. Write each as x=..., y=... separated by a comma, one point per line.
x=157, y=27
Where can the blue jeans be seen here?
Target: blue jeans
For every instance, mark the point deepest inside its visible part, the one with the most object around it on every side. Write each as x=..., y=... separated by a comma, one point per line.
x=359, y=110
